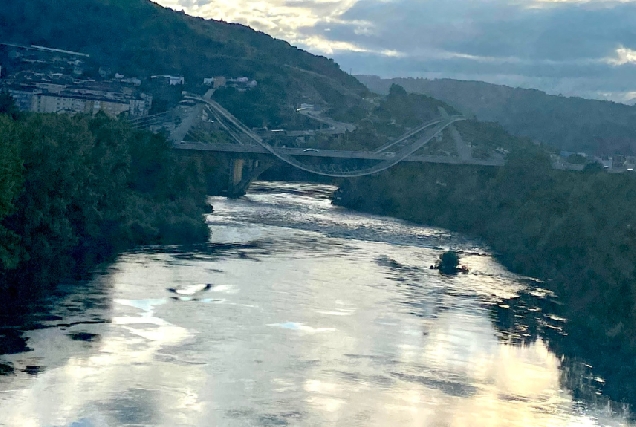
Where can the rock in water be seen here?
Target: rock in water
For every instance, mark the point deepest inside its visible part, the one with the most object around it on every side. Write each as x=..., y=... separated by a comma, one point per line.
x=448, y=262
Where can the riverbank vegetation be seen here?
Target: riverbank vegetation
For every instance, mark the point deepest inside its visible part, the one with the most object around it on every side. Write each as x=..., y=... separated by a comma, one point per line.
x=75, y=190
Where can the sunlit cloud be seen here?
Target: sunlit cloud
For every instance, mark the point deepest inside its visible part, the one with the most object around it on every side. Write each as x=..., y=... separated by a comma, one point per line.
x=279, y=18
x=623, y=56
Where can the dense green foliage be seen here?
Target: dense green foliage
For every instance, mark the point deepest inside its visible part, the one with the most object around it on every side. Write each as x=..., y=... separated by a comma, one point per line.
x=140, y=38
x=76, y=190
x=574, y=124
x=10, y=185
x=262, y=107
x=575, y=230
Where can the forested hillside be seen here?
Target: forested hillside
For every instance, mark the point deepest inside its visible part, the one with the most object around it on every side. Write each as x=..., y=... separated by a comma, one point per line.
x=573, y=124
x=140, y=38
x=400, y=111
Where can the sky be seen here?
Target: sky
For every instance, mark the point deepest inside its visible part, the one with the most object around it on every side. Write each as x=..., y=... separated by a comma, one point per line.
x=571, y=47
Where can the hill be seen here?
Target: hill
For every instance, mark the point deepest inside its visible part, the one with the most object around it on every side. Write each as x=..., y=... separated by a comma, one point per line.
x=573, y=124
x=399, y=112
x=140, y=38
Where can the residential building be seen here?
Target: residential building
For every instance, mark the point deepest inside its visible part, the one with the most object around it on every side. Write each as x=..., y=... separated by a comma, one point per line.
x=23, y=97
x=54, y=103
x=171, y=80
x=38, y=99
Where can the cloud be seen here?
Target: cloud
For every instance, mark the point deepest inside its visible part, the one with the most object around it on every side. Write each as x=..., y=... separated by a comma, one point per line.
x=573, y=47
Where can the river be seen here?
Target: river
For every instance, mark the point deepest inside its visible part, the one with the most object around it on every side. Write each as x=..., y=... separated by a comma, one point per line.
x=299, y=313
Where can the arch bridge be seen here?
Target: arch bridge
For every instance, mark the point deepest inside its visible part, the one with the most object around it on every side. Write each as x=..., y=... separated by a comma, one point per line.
x=245, y=142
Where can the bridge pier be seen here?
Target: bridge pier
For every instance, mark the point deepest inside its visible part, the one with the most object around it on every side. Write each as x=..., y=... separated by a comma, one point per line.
x=236, y=171
x=242, y=173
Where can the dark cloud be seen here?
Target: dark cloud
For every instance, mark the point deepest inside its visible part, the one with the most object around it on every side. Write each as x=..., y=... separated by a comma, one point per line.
x=546, y=44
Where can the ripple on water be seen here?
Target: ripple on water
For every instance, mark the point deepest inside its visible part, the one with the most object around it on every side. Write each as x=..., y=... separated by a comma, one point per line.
x=300, y=327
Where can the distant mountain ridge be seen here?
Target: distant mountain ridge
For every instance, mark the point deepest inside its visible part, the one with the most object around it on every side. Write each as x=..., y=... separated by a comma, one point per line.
x=573, y=124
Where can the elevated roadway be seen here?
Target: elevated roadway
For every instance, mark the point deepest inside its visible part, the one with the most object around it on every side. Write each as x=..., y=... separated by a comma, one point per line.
x=329, y=154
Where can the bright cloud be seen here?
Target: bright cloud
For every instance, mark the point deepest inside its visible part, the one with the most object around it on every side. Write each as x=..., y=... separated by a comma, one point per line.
x=623, y=56
x=280, y=18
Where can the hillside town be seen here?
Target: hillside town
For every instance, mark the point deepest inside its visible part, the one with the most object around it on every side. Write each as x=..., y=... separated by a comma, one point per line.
x=47, y=80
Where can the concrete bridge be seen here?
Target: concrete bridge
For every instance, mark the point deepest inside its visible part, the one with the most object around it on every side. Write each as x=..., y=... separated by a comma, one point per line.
x=330, y=154
x=248, y=148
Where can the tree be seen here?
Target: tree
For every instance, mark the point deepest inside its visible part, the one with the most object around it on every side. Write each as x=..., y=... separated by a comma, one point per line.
x=10, y=187
x=7, y=105
x=397, y=91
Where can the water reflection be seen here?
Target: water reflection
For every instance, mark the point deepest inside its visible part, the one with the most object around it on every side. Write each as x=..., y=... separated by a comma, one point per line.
x=313, y=316
x=532, y=314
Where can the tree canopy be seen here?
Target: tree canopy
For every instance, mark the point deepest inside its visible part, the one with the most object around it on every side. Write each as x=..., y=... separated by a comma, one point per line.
x=77, y=189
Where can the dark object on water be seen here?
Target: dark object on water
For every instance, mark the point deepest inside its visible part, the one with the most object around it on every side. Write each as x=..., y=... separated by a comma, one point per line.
x=448, y=263
x=33, y=370
x=83, y=336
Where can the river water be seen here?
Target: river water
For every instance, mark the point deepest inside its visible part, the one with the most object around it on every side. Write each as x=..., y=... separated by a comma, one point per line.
x=313, y=316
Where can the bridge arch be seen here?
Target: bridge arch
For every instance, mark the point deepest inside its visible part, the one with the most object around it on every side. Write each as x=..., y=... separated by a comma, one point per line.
x=335, y=171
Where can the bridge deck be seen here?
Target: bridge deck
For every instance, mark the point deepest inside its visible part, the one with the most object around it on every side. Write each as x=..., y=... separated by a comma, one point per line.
x=333, y=154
